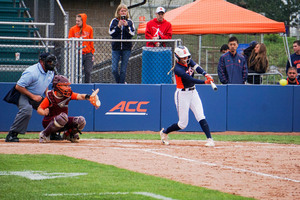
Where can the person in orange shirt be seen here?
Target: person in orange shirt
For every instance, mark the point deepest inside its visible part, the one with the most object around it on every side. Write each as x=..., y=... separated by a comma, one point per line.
x=82, y=30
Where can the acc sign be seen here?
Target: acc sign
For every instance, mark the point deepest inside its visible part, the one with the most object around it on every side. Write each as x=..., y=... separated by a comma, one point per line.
x=129, y=108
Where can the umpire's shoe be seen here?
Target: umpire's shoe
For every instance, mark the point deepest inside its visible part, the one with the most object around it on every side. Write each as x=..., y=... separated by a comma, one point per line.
x=12, y=137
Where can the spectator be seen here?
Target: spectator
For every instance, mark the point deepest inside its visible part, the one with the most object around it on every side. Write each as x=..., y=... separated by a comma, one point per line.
x=232, y=67
x=295, y=57
x=158, y=28
x=32, y=84
x=257, y=63
x=82, y=30
x=121, y=27
x=247, y=52
x=224, y=48
x=292, y=76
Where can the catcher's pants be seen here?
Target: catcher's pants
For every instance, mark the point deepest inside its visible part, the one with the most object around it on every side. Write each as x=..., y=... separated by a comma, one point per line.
x=184, y=101
x=23, y=116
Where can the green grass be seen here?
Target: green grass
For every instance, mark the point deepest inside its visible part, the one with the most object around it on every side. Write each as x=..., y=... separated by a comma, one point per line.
x=280, y=139
x=99, y=182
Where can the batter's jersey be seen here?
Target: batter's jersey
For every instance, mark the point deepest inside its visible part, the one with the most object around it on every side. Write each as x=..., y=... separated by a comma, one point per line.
x=184, y=74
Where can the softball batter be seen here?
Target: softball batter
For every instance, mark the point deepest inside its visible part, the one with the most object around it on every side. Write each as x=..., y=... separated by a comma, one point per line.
x=186, y=96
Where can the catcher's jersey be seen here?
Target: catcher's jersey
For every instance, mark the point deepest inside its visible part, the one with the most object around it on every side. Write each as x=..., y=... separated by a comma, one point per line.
x=56, y=104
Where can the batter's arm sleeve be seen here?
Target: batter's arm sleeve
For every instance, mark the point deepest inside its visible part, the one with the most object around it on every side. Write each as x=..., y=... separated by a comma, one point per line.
x=222, y=73
x=197, y=68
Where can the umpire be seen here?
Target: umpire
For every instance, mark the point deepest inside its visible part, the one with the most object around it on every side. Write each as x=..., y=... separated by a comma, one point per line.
x=31, y=86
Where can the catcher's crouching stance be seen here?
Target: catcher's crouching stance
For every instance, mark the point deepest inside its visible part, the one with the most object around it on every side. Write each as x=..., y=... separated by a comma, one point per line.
x=55, y=110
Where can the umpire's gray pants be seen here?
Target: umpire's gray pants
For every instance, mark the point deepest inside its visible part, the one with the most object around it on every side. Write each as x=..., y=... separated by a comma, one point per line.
x=23, y=116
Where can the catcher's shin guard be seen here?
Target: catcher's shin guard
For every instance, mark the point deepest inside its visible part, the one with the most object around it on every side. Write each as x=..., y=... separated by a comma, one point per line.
x=56, y=124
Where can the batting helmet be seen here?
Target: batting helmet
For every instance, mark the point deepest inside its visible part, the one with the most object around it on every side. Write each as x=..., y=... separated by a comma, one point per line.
x=182, y=52
x=62, y=85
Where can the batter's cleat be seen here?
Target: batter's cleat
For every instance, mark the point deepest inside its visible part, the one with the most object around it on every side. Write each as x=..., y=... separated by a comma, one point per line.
x=12, y=137
x=164, y=137
x=43, y=138
x=210, y=143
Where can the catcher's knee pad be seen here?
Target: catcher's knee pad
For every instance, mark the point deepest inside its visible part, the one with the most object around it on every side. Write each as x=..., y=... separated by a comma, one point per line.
x=61, y=120
x=79, y=122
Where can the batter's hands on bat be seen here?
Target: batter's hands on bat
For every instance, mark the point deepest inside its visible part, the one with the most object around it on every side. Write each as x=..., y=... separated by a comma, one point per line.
x=209, y=80
x=94, y=99
x=208, y=76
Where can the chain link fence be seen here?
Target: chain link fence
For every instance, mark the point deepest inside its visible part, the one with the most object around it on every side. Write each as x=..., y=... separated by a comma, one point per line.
x=145, y=65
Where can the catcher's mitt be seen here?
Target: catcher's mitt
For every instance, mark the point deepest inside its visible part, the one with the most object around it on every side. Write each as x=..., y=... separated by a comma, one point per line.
x=94, y=99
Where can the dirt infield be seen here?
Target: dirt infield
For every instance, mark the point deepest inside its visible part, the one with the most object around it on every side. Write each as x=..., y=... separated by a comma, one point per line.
x=259, y=170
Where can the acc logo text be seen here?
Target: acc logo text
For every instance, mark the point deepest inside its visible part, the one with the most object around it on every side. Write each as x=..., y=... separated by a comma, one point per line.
x=129, y=108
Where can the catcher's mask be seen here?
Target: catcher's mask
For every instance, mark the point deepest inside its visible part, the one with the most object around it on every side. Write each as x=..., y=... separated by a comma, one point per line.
x=49, y=60
x=62, y=85
x=182, y=52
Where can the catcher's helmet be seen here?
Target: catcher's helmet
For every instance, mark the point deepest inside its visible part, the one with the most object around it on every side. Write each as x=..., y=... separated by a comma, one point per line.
x=62, y=85
x=49, y=60
x=182, y=52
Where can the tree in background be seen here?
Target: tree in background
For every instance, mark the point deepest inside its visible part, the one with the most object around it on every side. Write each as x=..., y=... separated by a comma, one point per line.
x=279, y=10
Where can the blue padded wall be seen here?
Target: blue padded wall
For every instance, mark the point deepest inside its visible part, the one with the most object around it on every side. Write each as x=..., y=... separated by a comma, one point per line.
x=260, y=108
x=142, y=103
x=296, y=109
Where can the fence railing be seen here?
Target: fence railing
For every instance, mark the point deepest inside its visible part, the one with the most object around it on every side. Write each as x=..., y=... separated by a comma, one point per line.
x=145, y=65
x=142, y=62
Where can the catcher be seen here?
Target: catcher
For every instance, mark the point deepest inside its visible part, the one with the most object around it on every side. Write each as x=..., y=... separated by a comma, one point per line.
x=55, y=109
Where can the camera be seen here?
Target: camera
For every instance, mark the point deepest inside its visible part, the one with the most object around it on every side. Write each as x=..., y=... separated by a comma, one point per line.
x=123, y=17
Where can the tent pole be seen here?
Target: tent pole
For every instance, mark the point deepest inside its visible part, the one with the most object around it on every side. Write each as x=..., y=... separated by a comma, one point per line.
x=287, y=50
x=261, y=38
x=200, y=47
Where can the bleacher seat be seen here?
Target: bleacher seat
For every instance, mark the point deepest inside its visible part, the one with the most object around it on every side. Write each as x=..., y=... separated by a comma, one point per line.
x=10, y=67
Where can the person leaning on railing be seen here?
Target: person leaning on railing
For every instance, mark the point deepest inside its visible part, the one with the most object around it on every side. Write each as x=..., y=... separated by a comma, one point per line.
x=257, y=63
x=158, y=28
x=82, y=30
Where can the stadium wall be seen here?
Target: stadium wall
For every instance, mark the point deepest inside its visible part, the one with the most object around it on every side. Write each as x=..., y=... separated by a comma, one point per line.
x=150, y=107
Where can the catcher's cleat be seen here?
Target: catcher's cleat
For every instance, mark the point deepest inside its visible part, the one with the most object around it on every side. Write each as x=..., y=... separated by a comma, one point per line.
x=55, y=136
x=12, y=137
x=164, y=137
x=74, y=138
x=43, y=138
x=210, y=143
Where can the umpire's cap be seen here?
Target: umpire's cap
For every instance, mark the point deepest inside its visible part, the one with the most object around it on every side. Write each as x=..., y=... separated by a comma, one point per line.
x=44, y=55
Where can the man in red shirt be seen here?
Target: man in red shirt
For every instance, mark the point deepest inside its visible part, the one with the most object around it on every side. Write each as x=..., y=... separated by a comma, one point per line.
x=158, y=28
